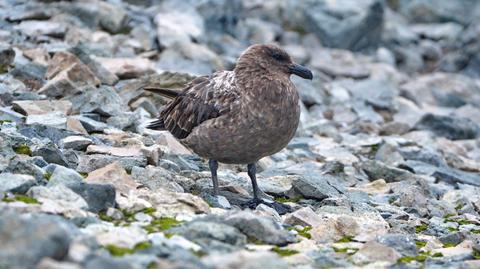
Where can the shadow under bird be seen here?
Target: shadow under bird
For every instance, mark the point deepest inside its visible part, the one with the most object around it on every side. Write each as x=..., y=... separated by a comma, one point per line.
x=239, y=116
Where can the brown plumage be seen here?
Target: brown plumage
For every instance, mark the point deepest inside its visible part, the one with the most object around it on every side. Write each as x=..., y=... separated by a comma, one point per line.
x=237, y=116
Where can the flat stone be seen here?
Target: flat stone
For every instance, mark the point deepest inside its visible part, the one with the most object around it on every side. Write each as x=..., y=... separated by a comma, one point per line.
x=88, y=163
x=57, y=199
x=113, y=174
x=131, y=151
x=249, y=224
x=126, y=237
x=246, y=259
x=377, y=170
x=55, y=119
x=318, y=187
x=16, y=183
x=175, y=203
x=449, y=127
x=99, y=197
x=156, y=178
x=40, y=107
x=304, y=216
x=43, y=235
x=126, y=68
x=172, y=146
x=75, y=142
x=36, y=28
x=373, y=251
x=64, y=176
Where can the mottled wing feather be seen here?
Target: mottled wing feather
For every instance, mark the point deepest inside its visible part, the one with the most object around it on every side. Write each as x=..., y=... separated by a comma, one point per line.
x=204, y=98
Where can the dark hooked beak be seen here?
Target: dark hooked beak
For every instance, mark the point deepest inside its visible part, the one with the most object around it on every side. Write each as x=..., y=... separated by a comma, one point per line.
x=300, y=71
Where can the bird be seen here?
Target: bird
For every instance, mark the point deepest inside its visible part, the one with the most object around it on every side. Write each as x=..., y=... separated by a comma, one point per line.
x=238, y=116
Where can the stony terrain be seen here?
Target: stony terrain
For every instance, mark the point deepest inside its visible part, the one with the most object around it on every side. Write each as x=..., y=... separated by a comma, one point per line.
x=384, y=171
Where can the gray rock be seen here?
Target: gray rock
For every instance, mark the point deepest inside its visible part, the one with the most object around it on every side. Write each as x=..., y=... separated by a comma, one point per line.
x=213, y=236
x=75, y=142
x=377, y=170
x=99, y=197
x=36, y=28
x=221, y=16
x=346, y=25
x=155, y=178
x=90, y=124
x=105, y=76
x=88, y=163
x=377, y=93
x=112, y=18
x=404, y=244
x=450, y=127
x=454, y=176
x=50, y=153
x=63, y=176
x=16, y=183
x=7, y=55
x=57, y=199
x=318, y=187
x=26, y=165
x=259, y=228
x=42, y=235
x=43, y=131
x=104, y=101
x=107, y=263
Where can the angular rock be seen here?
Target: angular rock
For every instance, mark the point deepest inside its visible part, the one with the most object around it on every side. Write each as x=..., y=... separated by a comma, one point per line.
x=126, y=68
x=99, y=197
x=40, y=107
x=377, y=170
x=347, y=26
x=64, y=176
x=57, y=199
x=174, y=203
x=112, y=18
x=113, y=174
x=403, y=244
x=37, y=28
x=105, y=76
x=251, y=225
x=88, y=163
x=155, y=178
x=373, y=251
x=104, y=101
x=318, y=187
x=42, y=235
x=449, y=127
x=16, y=183
x=75, y=142
x=129, y=151
x=246, y=260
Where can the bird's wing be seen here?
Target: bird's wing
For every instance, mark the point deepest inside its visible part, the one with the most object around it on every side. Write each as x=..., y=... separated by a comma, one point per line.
x=204, y=98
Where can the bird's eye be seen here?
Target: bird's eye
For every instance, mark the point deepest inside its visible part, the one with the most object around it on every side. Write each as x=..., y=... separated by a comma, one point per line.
x=278, y=56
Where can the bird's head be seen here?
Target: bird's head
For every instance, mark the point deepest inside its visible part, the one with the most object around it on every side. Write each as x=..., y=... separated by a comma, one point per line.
x=272, y=59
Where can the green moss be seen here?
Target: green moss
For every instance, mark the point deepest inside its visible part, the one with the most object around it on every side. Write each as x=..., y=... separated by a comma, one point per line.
x=284, y=252
x=128, y=216
x=255, y=241
x=121, y=251
x=149, y=210
x=288, y=200
x=475, y=231
x=5, y=121
x=161, y=224
x=458, y=207
x=103, y=216
x=451, y=229
x=21, y=198
x=449, y=245
x=345, y=239
x=152, y=265
x=407, y=259
x=349, y=251
x=199, y=253
x=437, y=255
x=421, y=228
x=476, y=254
x=23, y=149
x=420, y=244
x=305, y=232
x=47, y=176
x=84, y=175
x=392, y=199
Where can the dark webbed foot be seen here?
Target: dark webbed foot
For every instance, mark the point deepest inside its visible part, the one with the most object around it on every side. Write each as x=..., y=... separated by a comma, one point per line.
x=279, y=207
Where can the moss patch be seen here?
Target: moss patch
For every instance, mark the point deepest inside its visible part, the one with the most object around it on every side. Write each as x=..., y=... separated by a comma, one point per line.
x=449, y=245
x=149, y=210
x=420, y=244
x=349, y=251
x=476, y=254
x=23, y=149
x=421, y=228
x=345, y=239
x=305, y=232
x=161, y=224
x=5, y=121
x=21, y=198
x=284, y=252
x=288, y=200
x=121, y=251
x=47, y=176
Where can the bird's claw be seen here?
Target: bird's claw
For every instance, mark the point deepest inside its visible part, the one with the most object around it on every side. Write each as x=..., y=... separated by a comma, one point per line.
x=279, y=207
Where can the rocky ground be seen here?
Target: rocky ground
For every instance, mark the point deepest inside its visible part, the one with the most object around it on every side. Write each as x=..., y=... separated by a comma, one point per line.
x=384, y=171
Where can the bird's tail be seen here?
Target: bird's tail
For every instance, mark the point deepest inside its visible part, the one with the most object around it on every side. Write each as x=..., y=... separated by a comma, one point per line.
x=171, y=94
x=157, y=124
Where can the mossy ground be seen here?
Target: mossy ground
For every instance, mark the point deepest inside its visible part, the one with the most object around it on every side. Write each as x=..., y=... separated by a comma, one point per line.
x=121, y=251
x=284, y=252
x=21, y=198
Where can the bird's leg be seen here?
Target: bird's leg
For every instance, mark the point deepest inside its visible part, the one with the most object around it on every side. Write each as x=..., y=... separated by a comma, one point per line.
x=213, y=164
x=279, y=207
x=252, y=173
